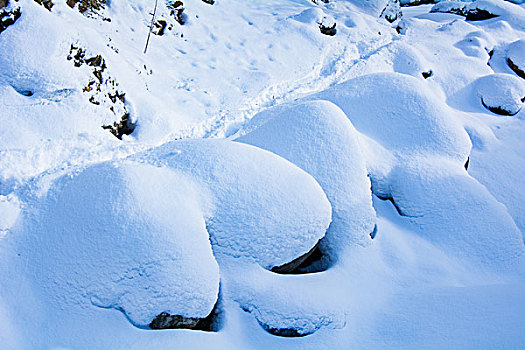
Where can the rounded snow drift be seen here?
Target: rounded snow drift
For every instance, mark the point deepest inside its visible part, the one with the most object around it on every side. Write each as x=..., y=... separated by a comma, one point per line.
x=516, y=57
x=501, y=94
x=126, y=236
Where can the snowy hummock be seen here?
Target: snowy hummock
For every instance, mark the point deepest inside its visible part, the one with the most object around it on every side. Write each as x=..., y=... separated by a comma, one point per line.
x=501, y=93
x=260, y=199
x=318, y=137
x=402, y=114
x=126, y=236
x=516, y=55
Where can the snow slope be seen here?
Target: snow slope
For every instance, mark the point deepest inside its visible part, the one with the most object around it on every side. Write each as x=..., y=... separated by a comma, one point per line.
x=388, y=156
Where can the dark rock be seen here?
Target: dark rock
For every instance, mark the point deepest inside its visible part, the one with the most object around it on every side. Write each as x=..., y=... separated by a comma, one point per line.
x=3, y=3
x=166, y=321
x=328, y=30
x=48, y=4
x=8, y=18
x=124, y=127
x=295, y=266
x=417, y=3
x=211, y=2
x=160, y=27
x=428, y=74
x=498, y=109
x=467, y=163
x=392, y=11
x=177, y=11
x=476, y=14
x=515, y=68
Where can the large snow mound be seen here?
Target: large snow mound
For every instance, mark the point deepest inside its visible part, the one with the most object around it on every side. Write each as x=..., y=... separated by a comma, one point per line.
x=501, y=93
x=260, y=199
x=402, y=114
x=318, y=137
x=128, y=236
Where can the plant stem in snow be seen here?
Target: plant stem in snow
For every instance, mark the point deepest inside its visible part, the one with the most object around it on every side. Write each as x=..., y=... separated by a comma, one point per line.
x=151, y=26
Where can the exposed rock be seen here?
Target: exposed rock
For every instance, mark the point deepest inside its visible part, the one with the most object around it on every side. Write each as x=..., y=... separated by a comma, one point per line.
x=428, y=74
x=166, y=321
x=476, y=14
x=392, y=11
x=85, y=6
x=3, y=3
x=328, y=30
x=48, y=4
x=295, y=266
x=160, y=27
x=124, y=127
x=211, y=2
x=8, y=18
x=177, y=11
x=516, y=57
x=515, y=68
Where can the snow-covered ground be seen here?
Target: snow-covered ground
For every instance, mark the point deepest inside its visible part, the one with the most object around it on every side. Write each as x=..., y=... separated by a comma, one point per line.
x=286, y=174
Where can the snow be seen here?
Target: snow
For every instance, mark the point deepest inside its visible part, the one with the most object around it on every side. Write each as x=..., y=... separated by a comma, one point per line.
x=257, y=136
x=318, y=137
x=260, y=199
x=113, y=239
x=502, y=93
x=402, y=114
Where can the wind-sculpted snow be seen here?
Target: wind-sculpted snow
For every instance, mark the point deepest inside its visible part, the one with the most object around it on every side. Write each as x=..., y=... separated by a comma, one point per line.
x=125, y=236
x=318, y=137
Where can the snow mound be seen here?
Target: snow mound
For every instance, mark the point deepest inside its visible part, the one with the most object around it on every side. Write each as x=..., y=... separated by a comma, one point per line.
x=455, y=211
x=402, y=114
x=516, y=57
x=260, y=199
x=406, y=60
x=129, y=236
x=318, y=137
x=501, y=93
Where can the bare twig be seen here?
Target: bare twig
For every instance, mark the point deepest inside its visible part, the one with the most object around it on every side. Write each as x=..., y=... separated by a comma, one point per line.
x=151, y=26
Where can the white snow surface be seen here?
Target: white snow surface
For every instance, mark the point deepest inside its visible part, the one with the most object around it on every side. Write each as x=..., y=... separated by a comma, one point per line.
x=266, y=209
x=257, y=136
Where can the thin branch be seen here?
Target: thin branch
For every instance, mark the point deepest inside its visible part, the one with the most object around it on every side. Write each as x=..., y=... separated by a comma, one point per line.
x=151, y=26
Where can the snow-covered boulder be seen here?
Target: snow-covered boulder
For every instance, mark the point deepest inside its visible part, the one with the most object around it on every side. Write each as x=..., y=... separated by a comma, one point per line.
x=516, y=57
x=454, y=7
x=402, y=114
x=318, y=137
x=130, y=237
x=456, y=212
x=501, y=93
x=266, y=209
